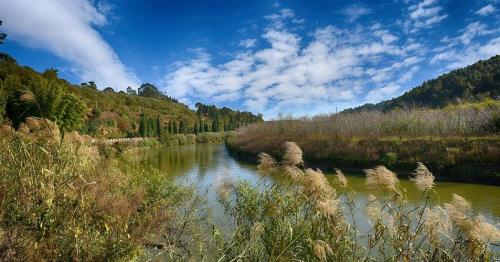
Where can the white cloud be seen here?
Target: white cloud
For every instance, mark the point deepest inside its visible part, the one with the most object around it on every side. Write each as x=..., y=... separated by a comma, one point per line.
x=377, y=94
x=353, y=12
x=66, y=28
x=248, y=43
x=423, y=15
x=472, y=31
x=475, y=52
x=486, y=10
x=337, y=66
x=314, y=72
x=466, y=48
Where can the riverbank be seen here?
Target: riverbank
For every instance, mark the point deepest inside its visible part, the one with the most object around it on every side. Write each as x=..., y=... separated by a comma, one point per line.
x=458, y=159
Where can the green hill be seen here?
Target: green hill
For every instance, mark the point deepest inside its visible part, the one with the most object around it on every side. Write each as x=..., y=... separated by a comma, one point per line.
x=148, y=112
x=469, y=84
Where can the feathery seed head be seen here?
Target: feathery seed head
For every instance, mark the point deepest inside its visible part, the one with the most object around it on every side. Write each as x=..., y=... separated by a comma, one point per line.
x=329, y=207
x=437, y=223
x=316, y=185
x=341, y=179
x=267, y=164
x=294, y=173
x=322, y=250
x=381, y=178
x=422, y=177
x=293, y=154
x=487, y=232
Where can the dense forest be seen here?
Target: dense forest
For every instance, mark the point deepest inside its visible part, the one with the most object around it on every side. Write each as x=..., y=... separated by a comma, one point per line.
x=469, y=84
x=146, y=112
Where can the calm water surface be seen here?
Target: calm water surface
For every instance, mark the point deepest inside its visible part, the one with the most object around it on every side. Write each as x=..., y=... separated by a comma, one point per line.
x=207, y=165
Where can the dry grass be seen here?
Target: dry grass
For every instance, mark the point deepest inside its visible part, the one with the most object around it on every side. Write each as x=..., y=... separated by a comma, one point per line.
x=439, y=138
x=423, y=178
x=63, y=201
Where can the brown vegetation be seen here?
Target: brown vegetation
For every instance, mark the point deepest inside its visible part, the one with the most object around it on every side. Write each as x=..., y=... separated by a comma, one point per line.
x=459, y=135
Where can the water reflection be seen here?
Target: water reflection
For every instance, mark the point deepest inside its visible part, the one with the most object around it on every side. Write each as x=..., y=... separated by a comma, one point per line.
x=207, y=165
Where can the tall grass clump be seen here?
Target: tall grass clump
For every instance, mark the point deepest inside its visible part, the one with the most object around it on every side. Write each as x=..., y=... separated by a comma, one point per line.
x=305, y=218
x=63, y=201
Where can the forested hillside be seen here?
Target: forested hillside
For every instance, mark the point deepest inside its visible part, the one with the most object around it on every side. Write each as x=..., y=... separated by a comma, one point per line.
x=145, y=112
x=469, y=84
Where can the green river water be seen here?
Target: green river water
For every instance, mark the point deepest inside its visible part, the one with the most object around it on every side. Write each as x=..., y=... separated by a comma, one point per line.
x=207, y=165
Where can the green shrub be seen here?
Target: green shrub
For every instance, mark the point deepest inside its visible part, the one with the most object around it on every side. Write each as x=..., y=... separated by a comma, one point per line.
x=390, y=159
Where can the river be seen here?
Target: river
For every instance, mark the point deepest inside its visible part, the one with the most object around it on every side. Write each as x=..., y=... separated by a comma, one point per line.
x=207, y=165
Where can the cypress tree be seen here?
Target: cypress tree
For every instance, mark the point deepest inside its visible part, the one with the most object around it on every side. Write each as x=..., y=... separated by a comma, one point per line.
x=174, y=128
x=142, y=126
x=215, y=126
x=158, y=126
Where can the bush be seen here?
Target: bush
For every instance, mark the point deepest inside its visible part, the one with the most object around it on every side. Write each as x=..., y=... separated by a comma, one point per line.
x=390, y=159
x=188, y=139
x=211, y=137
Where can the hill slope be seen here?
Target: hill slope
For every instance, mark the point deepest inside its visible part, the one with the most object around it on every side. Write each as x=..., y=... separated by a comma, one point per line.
x=25, y=92
x=472, y=83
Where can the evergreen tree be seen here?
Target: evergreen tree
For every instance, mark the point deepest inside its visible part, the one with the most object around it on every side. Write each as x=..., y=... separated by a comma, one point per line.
x=174, y=128
x=142, y=126
x=215, y=125
x=158, y=126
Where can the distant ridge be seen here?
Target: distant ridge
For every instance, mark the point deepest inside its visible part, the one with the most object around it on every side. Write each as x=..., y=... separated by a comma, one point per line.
x=476, y=82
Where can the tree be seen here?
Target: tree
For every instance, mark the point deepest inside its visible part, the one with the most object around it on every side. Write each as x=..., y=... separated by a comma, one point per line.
x=169, y=127
x=158, y=126
x=71, y=113
x=174, y=128
x=3, y=104
x=143, y=126
x=149, y=90
x=215, y=125
x=2, y=35
x=108, y=90
x=182, y=127
x=90, y=84
x=131, y=91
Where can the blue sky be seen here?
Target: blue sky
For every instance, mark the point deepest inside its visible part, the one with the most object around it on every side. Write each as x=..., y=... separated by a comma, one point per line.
x=291, y=57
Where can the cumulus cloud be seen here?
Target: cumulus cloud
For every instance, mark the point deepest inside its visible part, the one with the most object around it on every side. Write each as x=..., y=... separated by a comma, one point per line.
x=328, y=68
x=353, y=12
x=66, y=29
x=337, y=66
x=486, y=10
x=424, y=14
